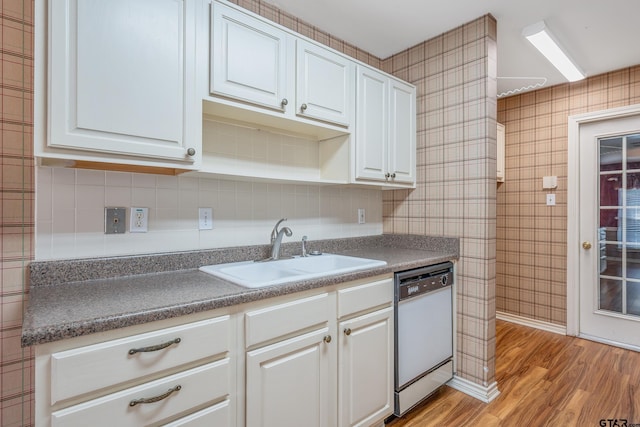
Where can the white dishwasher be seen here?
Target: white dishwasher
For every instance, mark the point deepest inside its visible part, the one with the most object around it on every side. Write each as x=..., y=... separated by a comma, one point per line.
x=424, y=333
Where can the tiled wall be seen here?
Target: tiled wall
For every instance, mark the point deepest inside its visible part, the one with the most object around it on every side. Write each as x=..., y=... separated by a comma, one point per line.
x=532, y=237
x=16, y=204
x=70, y=212
x=455, y=75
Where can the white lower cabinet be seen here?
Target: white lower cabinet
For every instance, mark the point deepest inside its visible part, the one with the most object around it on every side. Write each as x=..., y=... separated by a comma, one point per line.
x=365, y=387
x=151, y=402
x=337, y=371
x=216, y=415
x=153, y=374
x=288, y=382
x=320, y=358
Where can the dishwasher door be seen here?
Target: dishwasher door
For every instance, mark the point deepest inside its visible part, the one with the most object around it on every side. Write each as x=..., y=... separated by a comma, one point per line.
x=424, y=333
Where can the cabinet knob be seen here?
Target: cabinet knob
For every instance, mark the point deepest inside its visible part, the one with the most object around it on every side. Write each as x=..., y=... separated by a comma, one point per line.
x=387, y=175
x=284, y=102
x=347, y=331
x=191, y=151
x=303, y=107
x=327, y=339
x=393, y=175
x=586, y=245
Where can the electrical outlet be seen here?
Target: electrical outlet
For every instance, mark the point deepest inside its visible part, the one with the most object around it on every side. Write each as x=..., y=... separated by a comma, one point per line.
x=205, y=219
x=361, y=219
x=114, y=220
x=139, y=221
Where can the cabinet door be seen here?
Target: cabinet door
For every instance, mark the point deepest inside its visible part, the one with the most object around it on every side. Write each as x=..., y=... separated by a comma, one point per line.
x=288, y=383
x=248, y=58
x=372, y=132
x=120, y=77
x=365, y=379
x=402, y=133
x=324, y=84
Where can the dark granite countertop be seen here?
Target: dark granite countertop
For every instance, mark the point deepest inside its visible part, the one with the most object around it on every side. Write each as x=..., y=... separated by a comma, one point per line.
x=78, y=297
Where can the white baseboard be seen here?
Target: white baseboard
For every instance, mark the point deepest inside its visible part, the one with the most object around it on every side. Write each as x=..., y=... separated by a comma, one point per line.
x=532, y=323
x=484, y=394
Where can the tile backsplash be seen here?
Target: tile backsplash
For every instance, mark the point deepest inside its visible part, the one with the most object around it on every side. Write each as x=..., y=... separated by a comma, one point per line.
x=70, y=212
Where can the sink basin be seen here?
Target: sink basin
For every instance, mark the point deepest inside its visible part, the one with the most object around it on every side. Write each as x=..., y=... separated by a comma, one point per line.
x=252, y=274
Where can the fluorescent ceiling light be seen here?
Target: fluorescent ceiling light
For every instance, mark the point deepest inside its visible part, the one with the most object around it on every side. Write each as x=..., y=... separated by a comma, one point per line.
x=540, y=36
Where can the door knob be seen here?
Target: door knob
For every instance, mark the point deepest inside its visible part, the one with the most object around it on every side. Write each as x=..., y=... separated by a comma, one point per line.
x=586, y=245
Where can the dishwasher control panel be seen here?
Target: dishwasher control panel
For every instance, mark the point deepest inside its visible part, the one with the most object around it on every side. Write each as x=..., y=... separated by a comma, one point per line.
x=423, y=280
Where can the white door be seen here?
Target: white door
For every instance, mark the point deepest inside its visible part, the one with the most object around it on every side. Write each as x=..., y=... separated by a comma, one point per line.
x=288, y=382
x=248, y=58
x=609, y=212
x=402, y=133
x=324, y=84
x=118, y=74
x=365, y=379
x=372, y=120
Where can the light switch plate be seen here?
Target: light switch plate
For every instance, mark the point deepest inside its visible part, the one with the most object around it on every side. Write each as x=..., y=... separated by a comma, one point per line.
x=205, y=219
x=114, y=220
x=361, y=218
x=551, y=199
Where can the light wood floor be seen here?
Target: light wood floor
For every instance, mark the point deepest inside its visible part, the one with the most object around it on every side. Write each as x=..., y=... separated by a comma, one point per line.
x=544, y=379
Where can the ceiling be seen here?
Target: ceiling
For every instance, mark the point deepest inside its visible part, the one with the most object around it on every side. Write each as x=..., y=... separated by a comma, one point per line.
x=600, y=35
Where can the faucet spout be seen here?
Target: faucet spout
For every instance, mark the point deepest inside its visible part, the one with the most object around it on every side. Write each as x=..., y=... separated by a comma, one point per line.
x=275, y=248
x=276, y=238
x=274, y=232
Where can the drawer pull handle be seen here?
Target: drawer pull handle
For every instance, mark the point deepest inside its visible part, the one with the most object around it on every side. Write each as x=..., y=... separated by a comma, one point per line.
x=154, y=347
x=155, y=398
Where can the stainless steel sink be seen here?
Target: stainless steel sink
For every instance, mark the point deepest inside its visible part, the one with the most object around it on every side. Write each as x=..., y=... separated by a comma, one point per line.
x=252, y=274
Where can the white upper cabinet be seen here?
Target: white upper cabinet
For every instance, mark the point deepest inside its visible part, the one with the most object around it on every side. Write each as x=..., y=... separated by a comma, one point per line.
x=385, y=135
x=259, y=66
x=248, y=59
x=372, y=124
x=324, y=82
x=402, y=132
x=119, y=84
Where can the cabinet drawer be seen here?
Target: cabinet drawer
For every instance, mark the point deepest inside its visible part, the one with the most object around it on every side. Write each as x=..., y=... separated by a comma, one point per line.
x=364, y=297
x=197, y=387
x=282, y=319
x=85, y=369
x=217, y=415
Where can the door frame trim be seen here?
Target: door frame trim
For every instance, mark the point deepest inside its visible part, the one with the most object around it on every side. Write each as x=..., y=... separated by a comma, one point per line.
x=573, y=205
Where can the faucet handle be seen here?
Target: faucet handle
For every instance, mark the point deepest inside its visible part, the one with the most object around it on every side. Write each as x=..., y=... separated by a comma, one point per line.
x=304, y=246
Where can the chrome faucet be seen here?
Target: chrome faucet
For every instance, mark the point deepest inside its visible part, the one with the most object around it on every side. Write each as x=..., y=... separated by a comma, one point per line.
x=276, y=239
